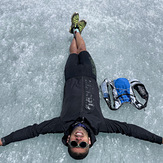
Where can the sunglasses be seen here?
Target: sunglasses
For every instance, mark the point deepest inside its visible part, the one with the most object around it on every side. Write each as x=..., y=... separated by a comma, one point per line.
x=74, y=144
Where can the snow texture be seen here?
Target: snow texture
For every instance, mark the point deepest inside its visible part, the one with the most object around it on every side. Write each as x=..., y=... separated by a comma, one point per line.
x=125, y=39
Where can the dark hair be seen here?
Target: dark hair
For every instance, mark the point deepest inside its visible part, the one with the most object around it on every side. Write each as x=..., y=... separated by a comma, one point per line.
x=77, y=156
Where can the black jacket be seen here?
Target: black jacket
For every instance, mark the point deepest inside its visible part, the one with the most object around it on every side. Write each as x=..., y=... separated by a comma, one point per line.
x=81, y=102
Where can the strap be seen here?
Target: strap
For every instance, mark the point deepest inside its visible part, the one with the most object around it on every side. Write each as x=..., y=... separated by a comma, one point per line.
x=140, y=88
x=105, y=92
x=124, y=94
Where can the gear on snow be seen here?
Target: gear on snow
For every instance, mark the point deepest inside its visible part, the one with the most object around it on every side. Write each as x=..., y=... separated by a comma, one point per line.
x=122, y=91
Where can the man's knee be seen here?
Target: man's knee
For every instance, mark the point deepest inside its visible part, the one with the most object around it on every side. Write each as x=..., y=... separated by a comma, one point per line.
x=73, y=50
x=81, y=48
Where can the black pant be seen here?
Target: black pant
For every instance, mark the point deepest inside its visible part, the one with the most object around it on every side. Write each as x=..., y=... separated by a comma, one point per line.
x=80, y=64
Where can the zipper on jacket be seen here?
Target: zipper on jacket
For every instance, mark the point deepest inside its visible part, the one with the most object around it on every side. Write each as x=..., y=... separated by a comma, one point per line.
x=82, y=104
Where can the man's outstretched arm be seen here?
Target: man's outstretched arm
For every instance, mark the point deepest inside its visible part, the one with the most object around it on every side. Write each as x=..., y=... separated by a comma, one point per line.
x=132, y=130
x=51, y=126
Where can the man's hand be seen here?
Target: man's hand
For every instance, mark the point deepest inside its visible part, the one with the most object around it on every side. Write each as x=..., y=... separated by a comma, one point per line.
x=0, y=142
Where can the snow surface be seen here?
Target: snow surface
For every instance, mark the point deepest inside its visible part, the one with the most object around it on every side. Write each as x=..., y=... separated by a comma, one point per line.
x=125, y=39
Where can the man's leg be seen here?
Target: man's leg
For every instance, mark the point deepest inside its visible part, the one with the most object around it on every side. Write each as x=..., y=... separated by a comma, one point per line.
x=73, y=47
x=77, y=44
x=80, y=42
x=84, y=57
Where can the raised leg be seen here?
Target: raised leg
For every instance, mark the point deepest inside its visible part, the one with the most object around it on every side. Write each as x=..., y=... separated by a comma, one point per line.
x=73, y=47
x=80, y=42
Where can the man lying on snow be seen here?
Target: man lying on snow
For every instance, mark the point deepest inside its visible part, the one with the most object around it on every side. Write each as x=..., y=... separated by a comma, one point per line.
x=81, y=117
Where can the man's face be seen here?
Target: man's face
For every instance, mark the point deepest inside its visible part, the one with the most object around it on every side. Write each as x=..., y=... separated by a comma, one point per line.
x=79, y=134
